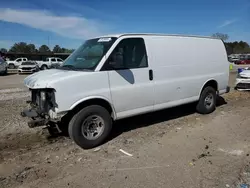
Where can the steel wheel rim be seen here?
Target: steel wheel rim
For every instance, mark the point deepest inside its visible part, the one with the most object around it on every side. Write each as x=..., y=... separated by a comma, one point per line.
x=93, y=127
x=209, y=101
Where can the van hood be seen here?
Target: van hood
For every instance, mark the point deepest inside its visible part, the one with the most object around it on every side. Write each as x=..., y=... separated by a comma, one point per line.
x=49, y=78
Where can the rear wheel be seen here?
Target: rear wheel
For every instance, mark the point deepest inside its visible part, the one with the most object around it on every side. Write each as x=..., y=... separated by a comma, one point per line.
x=90, y=127
x=207, y=101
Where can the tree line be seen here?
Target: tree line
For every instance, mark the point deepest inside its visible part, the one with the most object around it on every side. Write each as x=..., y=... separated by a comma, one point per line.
x=237, y=47
x=23, y=47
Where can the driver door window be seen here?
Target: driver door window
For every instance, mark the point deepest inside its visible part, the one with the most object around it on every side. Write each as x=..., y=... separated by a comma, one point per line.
x=128, y=54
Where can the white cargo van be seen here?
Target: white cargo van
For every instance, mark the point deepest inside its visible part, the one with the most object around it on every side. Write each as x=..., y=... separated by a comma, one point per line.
x=114, y=77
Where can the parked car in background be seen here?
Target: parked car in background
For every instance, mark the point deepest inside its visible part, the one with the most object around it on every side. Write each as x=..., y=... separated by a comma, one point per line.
x=3, y=66
x=28, y=67
x=233, y=59
x=16, y=63
x=244, y=59
x=50, y=62
x=243, y=80
x=120, y=76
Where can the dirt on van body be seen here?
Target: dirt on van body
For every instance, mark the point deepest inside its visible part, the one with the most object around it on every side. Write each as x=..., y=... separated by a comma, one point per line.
x=170, y=148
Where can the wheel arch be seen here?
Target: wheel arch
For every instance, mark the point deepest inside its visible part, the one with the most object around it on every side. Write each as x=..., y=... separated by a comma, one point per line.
x=95, y=100
x=11, y=64
x=211, y=82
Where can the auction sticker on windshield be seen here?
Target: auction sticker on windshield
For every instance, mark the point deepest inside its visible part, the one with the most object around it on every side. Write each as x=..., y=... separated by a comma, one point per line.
x=104, y=40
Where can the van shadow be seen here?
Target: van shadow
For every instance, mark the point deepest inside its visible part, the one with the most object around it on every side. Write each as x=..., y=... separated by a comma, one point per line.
x=149, y=119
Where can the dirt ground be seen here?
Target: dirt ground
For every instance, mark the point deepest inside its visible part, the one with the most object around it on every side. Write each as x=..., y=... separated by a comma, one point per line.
x=172, y=148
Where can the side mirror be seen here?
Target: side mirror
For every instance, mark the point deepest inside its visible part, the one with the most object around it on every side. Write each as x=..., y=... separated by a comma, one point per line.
x=110, y=64
x=115, y=61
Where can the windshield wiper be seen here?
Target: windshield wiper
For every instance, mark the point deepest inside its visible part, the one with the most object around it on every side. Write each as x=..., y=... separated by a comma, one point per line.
x=83, y=69
x=67, y=67
x=71, y=67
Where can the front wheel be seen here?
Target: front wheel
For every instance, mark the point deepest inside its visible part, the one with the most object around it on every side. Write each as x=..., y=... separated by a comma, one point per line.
x=90, y=127
x=6, y=71
x=207, y=101
x=44, y=67
x=11, y=66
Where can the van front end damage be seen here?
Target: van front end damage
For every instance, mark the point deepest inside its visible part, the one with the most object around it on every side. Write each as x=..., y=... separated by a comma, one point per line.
x=42, y=110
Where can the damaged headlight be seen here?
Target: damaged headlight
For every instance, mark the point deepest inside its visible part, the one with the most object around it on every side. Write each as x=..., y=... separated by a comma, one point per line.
x=43, y=99
x=43, y=95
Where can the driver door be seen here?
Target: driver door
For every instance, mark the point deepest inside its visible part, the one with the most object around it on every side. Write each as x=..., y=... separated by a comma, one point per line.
x=129, y=77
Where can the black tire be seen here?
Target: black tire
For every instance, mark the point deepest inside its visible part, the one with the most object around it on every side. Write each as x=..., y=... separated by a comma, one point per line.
x=5, y=72
x=76, y=124
x=44, y=67
x=201, y=107
x=11, y=66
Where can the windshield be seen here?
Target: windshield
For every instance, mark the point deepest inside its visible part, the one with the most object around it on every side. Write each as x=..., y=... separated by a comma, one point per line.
x=88, y=55
x=28, y=63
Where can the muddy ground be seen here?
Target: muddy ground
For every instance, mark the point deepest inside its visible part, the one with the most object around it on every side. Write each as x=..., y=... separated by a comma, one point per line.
x=171, y=148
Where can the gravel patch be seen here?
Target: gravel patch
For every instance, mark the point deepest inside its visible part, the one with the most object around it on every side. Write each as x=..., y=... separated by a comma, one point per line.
x=14, y=93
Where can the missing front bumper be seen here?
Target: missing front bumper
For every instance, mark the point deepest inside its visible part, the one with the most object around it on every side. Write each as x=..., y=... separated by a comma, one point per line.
x=36, y=121
x=29, y=113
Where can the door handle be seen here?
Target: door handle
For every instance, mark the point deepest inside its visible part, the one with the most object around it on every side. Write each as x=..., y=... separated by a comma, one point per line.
x=151, y=76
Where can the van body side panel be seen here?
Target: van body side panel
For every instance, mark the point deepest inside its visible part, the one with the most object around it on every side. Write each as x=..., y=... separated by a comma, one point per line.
x=83, y=86
x=182, y=65
x=132, y=92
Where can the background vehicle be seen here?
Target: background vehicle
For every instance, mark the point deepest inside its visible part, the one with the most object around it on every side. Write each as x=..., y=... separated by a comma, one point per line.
x=119, y=76
x=3, y=66
x=233, y=59
x=243, y=80
x=16, y=63
x=50, y=62
x=28, y=67
x=244, y=59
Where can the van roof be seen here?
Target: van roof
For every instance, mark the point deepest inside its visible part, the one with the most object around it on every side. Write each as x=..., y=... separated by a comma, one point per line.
x=156, y=34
